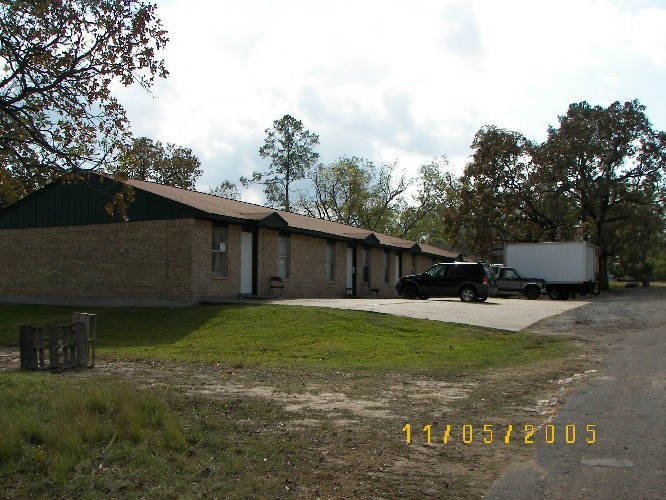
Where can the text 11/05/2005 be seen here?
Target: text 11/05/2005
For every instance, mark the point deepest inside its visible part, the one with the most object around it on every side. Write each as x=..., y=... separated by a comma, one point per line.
x=525, y=434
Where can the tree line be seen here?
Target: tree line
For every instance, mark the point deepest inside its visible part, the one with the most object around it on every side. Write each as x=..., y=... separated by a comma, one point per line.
x=599, y=175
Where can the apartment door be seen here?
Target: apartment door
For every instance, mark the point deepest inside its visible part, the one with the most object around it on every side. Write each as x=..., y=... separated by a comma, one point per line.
x=350, y=269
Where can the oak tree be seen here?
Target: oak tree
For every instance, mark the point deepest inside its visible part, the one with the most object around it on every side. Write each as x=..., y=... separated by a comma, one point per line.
x=610, y=160
x=149, y=160
x=59, y=60
x=507, y=196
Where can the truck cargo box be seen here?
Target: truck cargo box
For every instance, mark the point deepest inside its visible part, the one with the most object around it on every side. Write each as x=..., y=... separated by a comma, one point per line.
x=567, y=267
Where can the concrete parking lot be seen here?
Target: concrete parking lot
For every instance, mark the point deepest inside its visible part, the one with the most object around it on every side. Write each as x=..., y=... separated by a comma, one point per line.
x=506, y=314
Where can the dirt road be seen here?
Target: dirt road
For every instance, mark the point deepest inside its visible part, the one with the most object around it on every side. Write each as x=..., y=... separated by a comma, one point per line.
x=624, y=402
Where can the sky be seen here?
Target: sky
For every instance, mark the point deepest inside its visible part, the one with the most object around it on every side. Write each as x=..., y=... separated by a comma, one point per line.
x=391, y=81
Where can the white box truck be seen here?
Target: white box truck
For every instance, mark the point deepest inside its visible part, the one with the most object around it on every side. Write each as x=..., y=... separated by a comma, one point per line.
x=569, y=268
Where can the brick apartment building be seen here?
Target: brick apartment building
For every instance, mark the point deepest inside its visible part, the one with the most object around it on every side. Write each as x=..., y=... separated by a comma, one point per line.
x=59, y=245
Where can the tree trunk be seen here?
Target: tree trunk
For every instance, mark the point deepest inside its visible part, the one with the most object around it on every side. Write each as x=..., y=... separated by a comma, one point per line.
x=603, y=270
x=602, y=248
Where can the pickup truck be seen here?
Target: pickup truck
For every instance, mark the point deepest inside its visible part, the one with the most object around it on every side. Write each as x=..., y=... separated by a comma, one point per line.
x=511, y=282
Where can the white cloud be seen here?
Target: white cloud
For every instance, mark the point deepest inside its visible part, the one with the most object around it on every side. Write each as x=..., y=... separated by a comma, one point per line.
x=391, y=80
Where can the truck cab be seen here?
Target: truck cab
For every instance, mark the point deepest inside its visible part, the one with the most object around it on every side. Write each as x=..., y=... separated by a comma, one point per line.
x=511, y=282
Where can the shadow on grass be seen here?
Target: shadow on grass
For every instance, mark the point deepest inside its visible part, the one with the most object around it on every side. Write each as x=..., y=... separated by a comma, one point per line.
x=117, y=328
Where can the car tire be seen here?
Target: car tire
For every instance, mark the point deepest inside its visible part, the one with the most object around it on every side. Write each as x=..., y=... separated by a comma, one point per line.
x=468, y=294
x=410, y=292
x=532, y=292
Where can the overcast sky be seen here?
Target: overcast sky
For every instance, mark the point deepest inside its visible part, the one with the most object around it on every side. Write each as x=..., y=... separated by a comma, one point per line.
x=391, y=80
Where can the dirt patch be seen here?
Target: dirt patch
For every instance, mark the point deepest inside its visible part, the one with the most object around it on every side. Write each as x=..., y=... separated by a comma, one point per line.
x=356, y=422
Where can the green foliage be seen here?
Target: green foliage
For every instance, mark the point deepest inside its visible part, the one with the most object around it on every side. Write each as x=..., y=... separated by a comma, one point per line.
x=147, y=160
x=638, y=238
x=291, y=150
x=507, y=196
x=423, y=218
x=11, y=188
x=609, y=160
x=355, y=192
x=657, y=260
x=59, y=61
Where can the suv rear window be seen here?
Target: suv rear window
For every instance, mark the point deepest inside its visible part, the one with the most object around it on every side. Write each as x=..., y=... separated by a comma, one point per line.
x=456, y=270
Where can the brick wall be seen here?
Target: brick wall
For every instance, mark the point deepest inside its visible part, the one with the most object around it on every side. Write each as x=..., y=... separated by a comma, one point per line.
x=308, y=267
x=416, y=264
x=205, y=284
x=377, y=273
x=307, y=277
x=171, y=260
x=135, y=259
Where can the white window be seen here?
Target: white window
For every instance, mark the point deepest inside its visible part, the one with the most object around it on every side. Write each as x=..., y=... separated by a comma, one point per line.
x=283, y=255
x=330, y=260
x=219, y=251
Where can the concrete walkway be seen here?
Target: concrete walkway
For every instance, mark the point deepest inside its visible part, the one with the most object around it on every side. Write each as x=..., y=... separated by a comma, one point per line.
x=506, y=314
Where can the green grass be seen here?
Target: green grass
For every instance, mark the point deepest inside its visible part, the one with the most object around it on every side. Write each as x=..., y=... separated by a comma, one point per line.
x=52, y=427
x=294, y=337
x=64, y=437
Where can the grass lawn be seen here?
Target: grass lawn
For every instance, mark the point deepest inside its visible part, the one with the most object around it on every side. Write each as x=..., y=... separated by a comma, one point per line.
x=104, y=438
x=97, y=434
x=294, y=337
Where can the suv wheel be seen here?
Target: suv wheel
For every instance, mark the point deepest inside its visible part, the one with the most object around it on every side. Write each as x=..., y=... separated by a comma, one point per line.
x=410, y=292
x=468, y=294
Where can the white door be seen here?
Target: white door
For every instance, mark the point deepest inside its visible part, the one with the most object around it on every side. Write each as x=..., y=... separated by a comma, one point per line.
x=350, y=268
x=246, y=263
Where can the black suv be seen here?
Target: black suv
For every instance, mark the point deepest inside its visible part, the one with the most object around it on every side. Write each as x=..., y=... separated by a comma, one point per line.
x=471, y=281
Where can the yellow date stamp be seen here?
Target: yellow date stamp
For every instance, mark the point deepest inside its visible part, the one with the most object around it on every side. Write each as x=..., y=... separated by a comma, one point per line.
x=505, y=434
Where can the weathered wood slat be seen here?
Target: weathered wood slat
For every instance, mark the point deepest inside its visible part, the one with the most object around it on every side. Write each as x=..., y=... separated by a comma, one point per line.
x=69, y=346
x=54, y=351
x=26, y=342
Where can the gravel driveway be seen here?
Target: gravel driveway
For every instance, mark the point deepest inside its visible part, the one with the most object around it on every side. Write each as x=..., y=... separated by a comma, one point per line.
x=505, y=314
